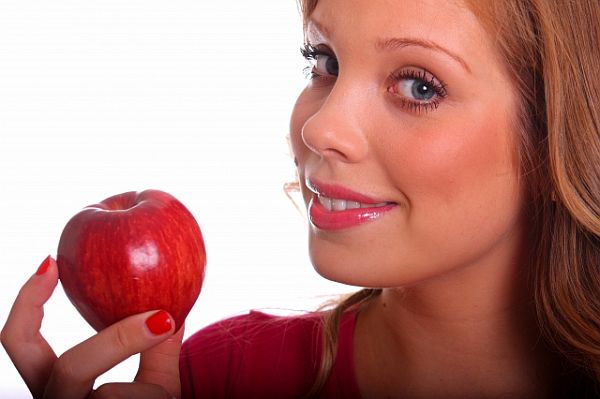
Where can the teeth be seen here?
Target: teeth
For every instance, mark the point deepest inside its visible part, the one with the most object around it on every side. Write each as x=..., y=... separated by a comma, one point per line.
x=326, y=202
x=336, y=205
x=352, y=205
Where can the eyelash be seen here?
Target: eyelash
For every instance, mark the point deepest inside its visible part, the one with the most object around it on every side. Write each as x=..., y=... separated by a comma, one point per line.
x=311, y=54
x=421, y=75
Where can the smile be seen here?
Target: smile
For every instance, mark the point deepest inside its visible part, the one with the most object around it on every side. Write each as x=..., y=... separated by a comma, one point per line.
x=335, y=207
x=339, y=205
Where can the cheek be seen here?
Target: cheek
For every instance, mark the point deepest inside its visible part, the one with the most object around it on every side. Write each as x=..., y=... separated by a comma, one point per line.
x=460, y=172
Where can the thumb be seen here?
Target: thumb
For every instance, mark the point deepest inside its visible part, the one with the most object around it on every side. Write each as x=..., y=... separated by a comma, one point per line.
x=160, y=364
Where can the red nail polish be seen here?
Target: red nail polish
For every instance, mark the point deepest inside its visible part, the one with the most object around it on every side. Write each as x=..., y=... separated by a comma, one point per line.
x=44, y=266
x=159, y=323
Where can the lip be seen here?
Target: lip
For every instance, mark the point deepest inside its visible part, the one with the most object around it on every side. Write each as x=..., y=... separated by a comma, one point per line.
x=336, y=191
x=328, y=220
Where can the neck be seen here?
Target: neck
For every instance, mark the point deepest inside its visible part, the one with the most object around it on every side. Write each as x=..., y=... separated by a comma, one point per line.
x=471, y=334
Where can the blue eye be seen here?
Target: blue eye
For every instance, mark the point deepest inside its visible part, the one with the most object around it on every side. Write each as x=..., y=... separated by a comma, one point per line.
x=417, y=90
x=326, y=65
x=322, y=63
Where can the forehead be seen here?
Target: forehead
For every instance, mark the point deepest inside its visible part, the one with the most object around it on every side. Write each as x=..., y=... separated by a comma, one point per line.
x=446, y=22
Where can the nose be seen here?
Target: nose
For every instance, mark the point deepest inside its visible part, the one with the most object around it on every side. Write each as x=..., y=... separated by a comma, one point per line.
x=335, y=131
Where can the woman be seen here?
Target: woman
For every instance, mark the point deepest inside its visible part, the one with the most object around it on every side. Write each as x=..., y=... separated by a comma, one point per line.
x=448, y=154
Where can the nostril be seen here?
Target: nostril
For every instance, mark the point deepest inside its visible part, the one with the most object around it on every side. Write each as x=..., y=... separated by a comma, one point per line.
x=334, y=153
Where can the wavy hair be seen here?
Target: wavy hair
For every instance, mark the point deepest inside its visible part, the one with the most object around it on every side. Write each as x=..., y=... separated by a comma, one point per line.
x=551, y=50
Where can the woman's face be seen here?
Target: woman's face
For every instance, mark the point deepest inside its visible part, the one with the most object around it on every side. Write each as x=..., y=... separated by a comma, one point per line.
x=405, y=143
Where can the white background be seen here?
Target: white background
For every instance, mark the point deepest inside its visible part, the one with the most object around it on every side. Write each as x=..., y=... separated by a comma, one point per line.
x=191, y=97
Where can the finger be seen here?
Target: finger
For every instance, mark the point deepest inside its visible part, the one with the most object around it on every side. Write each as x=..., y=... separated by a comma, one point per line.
x=160, y=364
x=75, y=370
x=135, y=390
x=21, y=337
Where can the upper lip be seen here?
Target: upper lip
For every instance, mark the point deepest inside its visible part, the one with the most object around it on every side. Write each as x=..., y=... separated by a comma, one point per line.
x=331, y=190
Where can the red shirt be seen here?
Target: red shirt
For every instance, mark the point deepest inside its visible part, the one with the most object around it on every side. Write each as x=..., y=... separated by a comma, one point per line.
x=264, y=356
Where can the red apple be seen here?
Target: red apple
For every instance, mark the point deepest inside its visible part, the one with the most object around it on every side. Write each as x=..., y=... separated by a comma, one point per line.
x=131, y=253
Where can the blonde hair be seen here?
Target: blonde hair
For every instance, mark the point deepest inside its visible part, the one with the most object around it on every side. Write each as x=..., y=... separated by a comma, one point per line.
x=551, y=49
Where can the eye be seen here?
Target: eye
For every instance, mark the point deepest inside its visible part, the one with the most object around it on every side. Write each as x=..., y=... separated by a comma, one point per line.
x=326, y=65
x=417, y=90
x=322, y=63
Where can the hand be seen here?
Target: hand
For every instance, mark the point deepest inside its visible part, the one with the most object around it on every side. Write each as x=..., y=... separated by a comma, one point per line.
x=72, y=375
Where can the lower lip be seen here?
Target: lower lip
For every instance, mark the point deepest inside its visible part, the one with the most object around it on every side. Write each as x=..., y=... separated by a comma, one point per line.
x=323, y=219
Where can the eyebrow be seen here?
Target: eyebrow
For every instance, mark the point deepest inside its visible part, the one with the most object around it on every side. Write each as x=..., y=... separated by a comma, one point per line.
x=398, y=43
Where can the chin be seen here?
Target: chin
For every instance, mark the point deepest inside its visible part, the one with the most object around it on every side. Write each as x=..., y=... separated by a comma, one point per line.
x=375, y=268
x=350, y=270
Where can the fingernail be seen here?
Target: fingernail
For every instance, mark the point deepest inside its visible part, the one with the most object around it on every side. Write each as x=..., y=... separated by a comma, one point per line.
x=159, y=323
x=44, y=266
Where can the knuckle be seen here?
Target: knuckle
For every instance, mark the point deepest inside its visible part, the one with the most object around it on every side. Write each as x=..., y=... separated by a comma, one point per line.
x=5, y=338
x=121, y=339
x=12, y=342
x=64, y=370
x=8, y=336
x=107, y=391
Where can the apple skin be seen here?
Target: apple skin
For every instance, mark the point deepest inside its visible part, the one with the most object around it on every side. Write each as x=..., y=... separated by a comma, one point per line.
x=131, y=253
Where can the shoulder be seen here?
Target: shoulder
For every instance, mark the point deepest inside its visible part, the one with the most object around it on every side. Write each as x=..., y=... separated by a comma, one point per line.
x=255, y=332
x=255, y=324
x=236, y=356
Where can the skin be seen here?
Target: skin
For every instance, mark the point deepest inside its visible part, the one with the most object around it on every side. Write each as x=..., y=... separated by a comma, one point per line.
x=453, y=320
x=72, y=375
x=451, y=255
